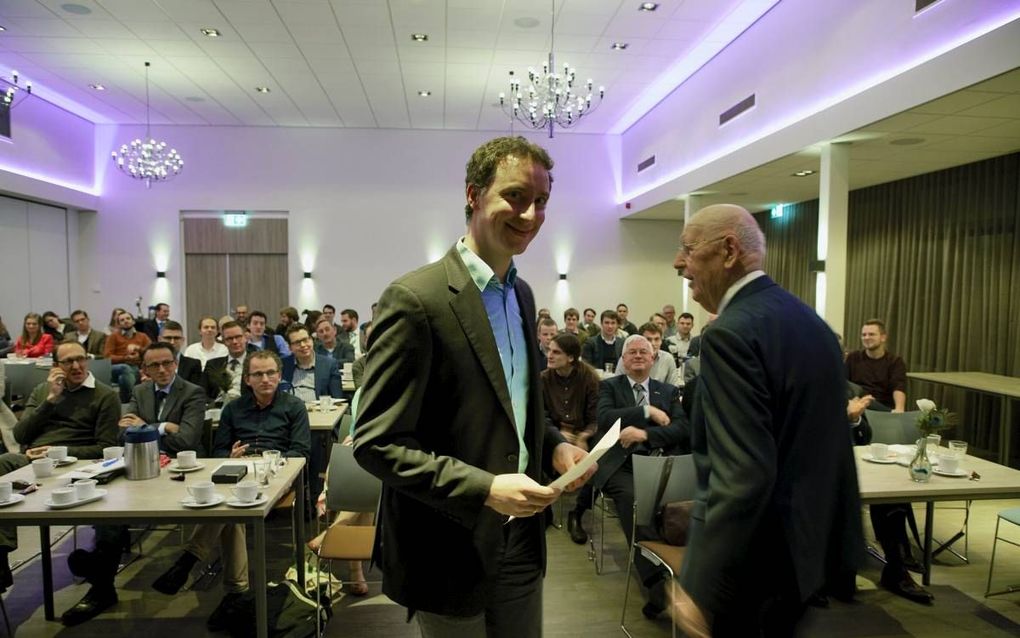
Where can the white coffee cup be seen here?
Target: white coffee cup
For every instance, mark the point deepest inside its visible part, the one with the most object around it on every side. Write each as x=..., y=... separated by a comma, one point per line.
x=949, y=463
x=85, y=489
x=63, y=495
x=112, y=452
x=879, y=451
x=6, y=491
x=43, y=467
x=246, y=491
x=202, y=492
x=57, y=452
x=186, y=459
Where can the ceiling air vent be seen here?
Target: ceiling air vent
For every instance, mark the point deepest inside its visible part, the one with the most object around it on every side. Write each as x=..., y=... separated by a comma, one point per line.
x=646, y=163
x=736, y=109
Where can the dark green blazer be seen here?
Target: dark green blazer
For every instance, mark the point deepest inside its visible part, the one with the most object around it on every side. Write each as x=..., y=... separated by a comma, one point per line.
x=435, y=424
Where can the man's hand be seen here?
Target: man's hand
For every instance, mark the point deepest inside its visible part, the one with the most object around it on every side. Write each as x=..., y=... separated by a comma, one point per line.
x=566, y=456
x=129, y=420
x=631, y=435
x=688, y=616
x=37, y=452
x=238, y=450
x=855, y=407
x=657, y=416
x=171, y=428
x=518, y=495
x=55, y=379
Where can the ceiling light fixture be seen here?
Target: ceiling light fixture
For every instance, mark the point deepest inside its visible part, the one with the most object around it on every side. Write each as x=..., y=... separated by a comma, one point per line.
x=13, y=89
x=424, y=93
x=804, y=173
x=148, y=159
x=2, y=28
x=648, y=6
x=549, y=98
x=97, y=87
x=209, y=32
x=420, y=37
x=619, y=46
x=262, y=89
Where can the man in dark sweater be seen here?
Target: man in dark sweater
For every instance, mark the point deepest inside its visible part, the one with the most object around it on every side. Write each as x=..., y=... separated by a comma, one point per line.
x=882, y=374
x=70, y=408
x=263, y=419
x=604, y=348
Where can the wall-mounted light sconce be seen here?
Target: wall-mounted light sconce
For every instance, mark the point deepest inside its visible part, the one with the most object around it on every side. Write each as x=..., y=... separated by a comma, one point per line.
x=563, y=276
x=160, y=274
x=308, y=274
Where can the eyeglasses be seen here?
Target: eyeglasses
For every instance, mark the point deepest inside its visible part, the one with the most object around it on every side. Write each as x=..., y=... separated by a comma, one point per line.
x=73, y=360
x=267, y=374
x=687, y=249
x=155, y=365
x=171, y=338
x=300, y=342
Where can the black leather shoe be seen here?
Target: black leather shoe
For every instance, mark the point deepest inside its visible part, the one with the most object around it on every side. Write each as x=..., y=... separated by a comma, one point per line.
x=233, y=605
x=97, y=600
x=903, y=585
x=172, y=579
x=651, y=611
x=576, y=529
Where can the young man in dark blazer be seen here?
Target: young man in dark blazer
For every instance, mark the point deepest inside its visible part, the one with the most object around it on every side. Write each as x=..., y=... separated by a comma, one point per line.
x=778, y=514
x=451, y=416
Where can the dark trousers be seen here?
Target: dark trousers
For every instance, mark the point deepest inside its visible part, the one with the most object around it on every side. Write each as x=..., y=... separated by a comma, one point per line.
x=890, y=524
x=514, y=609
x=769, y=608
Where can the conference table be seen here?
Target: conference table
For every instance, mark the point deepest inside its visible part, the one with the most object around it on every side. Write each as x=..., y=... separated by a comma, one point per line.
x=891, y=483
x=1006, y=388
x=157, y=501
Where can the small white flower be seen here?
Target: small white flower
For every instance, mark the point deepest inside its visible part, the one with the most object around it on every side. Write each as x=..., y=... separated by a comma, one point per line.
x=925, y=405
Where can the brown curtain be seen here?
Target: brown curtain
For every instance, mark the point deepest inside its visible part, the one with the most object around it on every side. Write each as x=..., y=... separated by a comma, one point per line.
x=791, y=246
x=938, y=258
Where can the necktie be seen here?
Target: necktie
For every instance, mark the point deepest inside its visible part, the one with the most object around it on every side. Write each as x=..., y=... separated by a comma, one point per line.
x=160, y=402
x=639, y=395
x=233, y=365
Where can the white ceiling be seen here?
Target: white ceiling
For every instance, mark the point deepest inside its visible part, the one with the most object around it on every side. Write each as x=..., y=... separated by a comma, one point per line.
x=348, y=63
x=970, y=125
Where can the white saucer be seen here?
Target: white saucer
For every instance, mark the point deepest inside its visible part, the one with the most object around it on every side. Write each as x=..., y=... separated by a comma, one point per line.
x=261, y=500
x=189, y=501
x=15, y=498
x=183, y=470
x=67, y=461
x=871, y=459
x=959, y=473
x=63, y=506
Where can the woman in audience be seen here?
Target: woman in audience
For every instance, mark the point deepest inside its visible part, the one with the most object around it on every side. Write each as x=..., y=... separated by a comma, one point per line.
x=311, y=319
x=53, y=326
x=33, y=342
x=112, y=327
x=208, y=347
x=6, y=345
x=570, y=388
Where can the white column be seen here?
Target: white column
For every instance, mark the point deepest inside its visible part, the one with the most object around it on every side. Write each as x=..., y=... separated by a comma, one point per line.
x=692, y=205
x=833, y=202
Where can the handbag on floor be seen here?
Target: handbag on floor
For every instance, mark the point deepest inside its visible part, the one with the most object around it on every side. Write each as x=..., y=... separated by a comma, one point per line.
x=289, y=612
x=322, y=582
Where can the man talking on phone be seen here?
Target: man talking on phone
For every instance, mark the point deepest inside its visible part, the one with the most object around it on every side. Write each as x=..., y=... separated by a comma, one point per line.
x=71, y=409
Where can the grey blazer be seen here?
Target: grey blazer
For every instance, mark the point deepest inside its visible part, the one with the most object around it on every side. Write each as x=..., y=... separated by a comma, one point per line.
x=184, y=406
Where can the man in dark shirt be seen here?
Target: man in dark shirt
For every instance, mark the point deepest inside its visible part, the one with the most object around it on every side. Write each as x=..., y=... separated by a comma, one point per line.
x=604, y=348
x=263, y=419
x=882, y=374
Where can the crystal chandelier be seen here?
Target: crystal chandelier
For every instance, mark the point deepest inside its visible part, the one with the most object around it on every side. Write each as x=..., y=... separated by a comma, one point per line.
x=550, y=98
x=148, y=159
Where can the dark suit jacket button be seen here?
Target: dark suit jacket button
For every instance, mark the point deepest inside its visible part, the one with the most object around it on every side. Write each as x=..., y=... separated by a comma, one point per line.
x=511, y=457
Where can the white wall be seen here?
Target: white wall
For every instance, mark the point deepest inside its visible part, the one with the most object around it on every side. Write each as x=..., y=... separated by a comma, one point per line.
x=33, y=259
x=364, y=207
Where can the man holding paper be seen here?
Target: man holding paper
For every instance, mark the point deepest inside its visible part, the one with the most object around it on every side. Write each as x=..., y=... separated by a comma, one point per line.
x=451, y=416
x=652, y=420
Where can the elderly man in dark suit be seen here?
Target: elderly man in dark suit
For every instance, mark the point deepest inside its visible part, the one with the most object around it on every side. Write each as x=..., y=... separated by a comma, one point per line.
x=777, y=516
x=167, y=401
x=451, y=416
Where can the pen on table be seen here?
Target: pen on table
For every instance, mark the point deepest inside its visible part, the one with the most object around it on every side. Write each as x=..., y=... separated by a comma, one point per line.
x=109, y=463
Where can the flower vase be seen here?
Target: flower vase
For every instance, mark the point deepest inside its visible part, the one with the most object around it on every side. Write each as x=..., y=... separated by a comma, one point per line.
x=920, y=466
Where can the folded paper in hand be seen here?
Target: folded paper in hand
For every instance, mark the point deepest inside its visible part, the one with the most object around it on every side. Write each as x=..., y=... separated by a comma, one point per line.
x=576, y=472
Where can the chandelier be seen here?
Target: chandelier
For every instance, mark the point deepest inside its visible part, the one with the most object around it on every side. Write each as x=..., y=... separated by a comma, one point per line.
x=550, y=98
x=148, y=159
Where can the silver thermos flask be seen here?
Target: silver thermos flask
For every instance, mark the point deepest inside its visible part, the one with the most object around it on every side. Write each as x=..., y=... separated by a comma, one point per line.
x=141, y=452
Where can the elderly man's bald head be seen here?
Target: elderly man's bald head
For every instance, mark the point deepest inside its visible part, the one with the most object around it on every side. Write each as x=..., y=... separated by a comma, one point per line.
x=719, y=245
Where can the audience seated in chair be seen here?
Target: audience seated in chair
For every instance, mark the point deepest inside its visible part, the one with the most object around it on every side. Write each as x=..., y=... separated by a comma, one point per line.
x=124, y=349
x=93, y=341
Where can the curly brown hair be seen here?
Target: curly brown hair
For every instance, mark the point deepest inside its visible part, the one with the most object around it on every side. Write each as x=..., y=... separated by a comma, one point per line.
x=481, y=168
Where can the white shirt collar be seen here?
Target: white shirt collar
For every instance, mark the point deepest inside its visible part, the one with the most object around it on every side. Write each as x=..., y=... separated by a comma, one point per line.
x=631, y=381
x=737, y=285
x=89, y=382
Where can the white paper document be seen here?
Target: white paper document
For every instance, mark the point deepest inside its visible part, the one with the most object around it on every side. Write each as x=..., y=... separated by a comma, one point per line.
x=576, y=472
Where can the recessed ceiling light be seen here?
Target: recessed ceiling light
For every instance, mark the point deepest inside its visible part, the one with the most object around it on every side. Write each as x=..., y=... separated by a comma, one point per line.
x=803, y=173
x=97, y=87
x=424, y=93
x=3, y=28
x=77, y=9
x=619, y=46
x=209, y=32
x=907, y=141
x=526, y=22
x=262, y=89
x=420, y=37
x=648, y=6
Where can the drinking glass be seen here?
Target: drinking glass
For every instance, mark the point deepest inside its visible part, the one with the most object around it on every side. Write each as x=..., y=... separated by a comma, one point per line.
x=272, y=458
x=261, y=472
x=958, y=448
x=933, y=443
